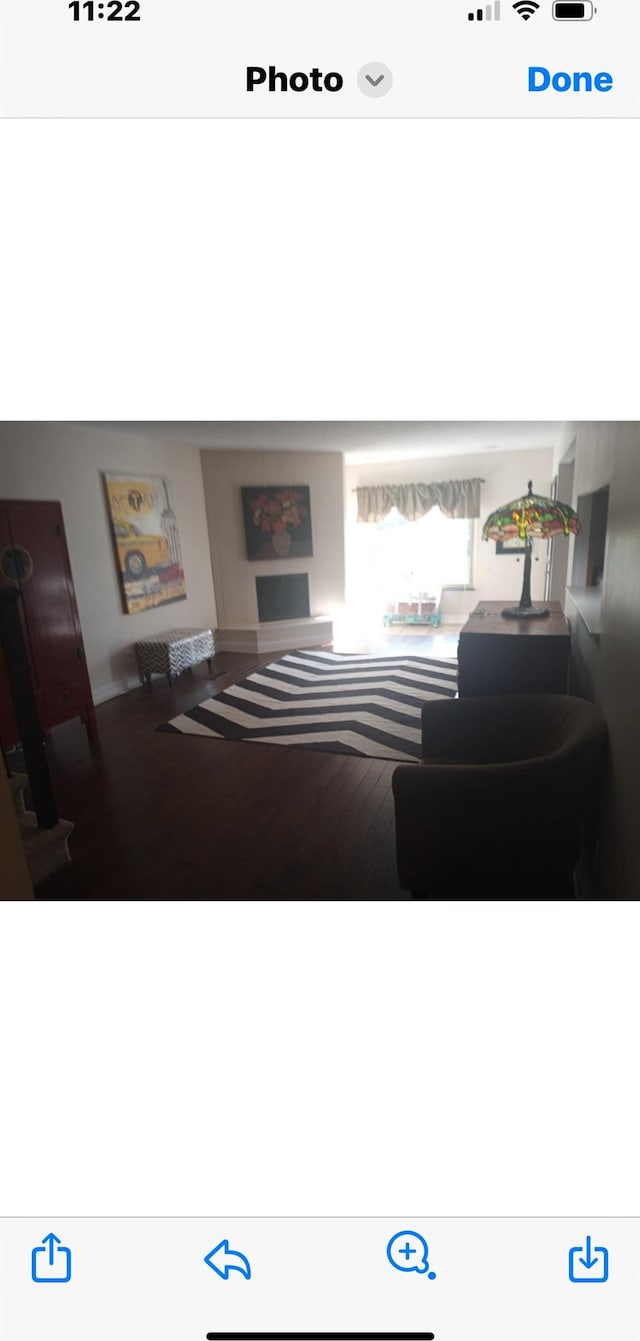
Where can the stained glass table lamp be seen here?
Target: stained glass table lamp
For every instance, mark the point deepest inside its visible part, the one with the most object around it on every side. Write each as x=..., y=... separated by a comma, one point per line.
x=528, y=518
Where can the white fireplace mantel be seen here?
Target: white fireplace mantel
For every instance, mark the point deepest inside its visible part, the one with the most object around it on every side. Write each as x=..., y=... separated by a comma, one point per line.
x=282, y=635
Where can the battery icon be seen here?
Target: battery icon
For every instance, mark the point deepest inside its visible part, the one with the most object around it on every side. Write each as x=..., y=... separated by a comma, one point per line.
x=584, y=10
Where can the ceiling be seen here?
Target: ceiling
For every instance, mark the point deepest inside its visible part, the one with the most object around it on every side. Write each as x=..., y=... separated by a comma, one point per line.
x=359, y=440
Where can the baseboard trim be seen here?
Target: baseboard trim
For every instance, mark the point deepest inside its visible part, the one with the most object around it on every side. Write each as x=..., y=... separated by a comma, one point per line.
x=107, y=691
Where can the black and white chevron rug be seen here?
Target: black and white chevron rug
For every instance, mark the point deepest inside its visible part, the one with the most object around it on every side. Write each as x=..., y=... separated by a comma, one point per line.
x=328, y=701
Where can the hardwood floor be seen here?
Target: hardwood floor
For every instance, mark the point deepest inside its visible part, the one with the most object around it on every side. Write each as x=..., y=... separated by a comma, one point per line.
x=158, y=816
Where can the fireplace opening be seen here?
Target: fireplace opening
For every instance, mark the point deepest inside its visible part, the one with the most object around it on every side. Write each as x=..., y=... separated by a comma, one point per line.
x=283, y=597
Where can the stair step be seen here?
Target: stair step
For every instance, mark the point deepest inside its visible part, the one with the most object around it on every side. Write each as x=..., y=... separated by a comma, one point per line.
x=46, y=849
x=17, y=783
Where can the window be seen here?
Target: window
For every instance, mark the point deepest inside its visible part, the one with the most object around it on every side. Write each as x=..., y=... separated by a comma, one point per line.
x=428, y=554
x=396, y=561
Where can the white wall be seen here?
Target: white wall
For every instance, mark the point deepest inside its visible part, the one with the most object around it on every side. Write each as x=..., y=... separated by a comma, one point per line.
x=63, y=462
x=608, y=669
x=506, y=474
x=224, y=474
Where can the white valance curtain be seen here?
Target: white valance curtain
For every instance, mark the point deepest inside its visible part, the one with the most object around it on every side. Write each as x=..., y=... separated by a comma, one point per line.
x=455, y=498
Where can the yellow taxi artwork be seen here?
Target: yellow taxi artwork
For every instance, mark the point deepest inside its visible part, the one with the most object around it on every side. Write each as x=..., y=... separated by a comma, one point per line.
x=139, y=554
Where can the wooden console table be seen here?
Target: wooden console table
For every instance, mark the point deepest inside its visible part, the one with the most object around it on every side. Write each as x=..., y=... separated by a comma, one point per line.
x=513, y=656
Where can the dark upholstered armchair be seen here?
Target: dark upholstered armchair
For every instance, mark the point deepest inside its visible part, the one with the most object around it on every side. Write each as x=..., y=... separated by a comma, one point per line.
x=497, y=807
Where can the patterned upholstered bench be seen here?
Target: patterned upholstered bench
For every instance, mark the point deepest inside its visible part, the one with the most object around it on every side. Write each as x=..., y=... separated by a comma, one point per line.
x=173, y=652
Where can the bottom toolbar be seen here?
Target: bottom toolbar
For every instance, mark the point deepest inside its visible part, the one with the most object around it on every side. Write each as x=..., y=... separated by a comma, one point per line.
x=209, y=1279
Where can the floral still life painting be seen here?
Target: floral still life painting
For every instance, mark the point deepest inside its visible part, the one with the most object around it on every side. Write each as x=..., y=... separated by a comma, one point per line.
x=146, y=541
x=277, y=521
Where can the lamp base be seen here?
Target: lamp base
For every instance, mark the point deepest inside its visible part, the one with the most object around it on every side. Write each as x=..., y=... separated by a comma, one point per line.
x=525, y=612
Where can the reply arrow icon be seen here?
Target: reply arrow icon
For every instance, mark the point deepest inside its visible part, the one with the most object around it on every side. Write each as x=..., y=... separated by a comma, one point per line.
x=222, y=1259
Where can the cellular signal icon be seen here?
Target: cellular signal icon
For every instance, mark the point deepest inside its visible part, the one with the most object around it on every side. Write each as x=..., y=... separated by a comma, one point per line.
x=526, y=8
x=489, y=12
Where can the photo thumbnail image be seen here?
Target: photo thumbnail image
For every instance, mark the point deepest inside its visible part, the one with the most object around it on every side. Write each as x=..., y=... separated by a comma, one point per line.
x=399, y=660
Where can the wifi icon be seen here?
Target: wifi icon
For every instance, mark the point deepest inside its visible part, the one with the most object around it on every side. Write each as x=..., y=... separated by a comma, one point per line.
x=526, y=8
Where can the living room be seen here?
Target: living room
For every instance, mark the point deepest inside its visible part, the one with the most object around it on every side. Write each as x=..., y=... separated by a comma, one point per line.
x=155, y=816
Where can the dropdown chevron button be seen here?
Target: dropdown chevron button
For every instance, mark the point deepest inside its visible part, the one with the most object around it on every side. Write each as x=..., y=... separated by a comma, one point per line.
x=375, y=79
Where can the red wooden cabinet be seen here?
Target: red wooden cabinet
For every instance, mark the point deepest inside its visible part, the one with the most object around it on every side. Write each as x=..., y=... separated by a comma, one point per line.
x=34, y=558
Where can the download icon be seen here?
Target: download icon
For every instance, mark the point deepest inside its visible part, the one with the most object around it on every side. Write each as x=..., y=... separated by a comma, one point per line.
x=587, y=1264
